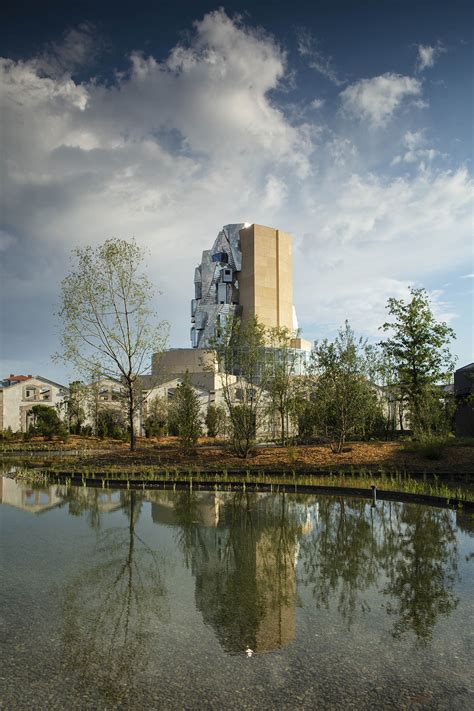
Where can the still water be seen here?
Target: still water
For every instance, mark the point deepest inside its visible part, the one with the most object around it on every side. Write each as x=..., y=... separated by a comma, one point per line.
x=161, y=599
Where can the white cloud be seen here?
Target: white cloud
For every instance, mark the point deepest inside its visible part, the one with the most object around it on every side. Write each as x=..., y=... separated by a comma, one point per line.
x=467, y=276
x=414, y=139
x=376, y=100
x=427, y=55
x=316, y=59
x=418, y=152
x=276, y=192
x=366, y=239
x=174, y=149
x=317, y=103
x=78, y=49
x=169, y=152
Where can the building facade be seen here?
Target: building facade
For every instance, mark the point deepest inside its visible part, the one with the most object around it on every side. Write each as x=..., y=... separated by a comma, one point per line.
x=21, y=393
x=247, y=272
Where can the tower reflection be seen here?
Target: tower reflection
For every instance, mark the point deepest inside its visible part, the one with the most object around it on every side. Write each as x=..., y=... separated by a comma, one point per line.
x=242, y=549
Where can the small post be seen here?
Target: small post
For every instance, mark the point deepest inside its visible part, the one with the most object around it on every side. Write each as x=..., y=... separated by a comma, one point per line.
x=374, y=494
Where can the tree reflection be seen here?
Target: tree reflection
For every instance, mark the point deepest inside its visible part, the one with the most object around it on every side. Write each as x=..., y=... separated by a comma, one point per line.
x=422, y=571
x=355, y=546
x=109, y=607
x=244, y=567
x=340, y=558
x=92, y=503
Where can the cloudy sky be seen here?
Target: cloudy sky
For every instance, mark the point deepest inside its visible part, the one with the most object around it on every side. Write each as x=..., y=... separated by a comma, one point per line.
x=347, y=124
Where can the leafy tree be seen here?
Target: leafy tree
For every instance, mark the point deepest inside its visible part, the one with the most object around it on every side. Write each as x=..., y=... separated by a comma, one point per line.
x=185, y=414
x=239, y=356
x=418, y=348
x=157, y=417
x=74, y=404
x=46, y=421
x=107, y=324
x=281, y=360
x=215, y=419
x=111, y=423
x=345, y=398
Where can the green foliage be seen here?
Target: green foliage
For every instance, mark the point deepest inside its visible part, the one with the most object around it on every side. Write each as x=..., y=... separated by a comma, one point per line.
x=215, y=420
x=157, y=417
x=185, y=414
x=418, y=349
x=305, y=420
x=108, y=326
x=279, y=382
x=239, y=353
x=345, y=399
x=111, y=423
x=74, y=405
x=428, y=446
x=243, y=429
x=46, y=422
x=6, y=435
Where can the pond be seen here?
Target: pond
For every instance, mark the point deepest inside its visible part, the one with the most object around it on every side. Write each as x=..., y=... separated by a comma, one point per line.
x=162, y=599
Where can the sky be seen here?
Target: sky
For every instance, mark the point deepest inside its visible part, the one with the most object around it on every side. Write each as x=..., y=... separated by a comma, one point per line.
x=346, y=124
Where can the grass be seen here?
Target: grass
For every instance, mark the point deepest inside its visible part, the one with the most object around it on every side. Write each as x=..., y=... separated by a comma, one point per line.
x=398, y=481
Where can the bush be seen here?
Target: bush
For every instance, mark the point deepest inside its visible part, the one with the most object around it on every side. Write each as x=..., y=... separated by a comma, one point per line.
x=185, y=415
x=432, y=448
x=242, y=430
x=111, y=423
x=6, y=435
x=215, y=420
x=47, y=422
x=156, y=423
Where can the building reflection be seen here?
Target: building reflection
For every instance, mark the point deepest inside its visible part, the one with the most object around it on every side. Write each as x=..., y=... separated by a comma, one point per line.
x=39, y=499
x=28, y=499
x=242, y=549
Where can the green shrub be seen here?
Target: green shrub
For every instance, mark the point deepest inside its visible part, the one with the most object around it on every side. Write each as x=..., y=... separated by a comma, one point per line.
x=6, y=435
x=215, y=420
x=111, y=423
x=46, y=422
x=428, y=447
x=185, y=415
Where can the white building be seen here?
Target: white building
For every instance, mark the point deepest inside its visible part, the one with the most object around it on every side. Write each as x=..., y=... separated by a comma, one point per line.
x=18, y=396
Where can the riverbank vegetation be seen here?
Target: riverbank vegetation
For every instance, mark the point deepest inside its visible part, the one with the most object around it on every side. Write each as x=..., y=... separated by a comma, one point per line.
x=452, y=456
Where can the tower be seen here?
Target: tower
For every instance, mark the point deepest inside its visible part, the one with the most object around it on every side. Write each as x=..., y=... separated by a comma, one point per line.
x=248, y=272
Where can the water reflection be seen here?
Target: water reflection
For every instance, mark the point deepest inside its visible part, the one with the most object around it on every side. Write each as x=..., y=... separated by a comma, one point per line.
x=109, y=606
x=248, y=554
x=242, y=549
x=25, y=498
x=412, y=548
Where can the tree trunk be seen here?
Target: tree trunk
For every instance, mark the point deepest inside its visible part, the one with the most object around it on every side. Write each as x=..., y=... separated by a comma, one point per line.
x=130, y=417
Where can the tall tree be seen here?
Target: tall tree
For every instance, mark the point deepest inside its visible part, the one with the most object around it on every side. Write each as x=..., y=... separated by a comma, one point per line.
x=281, y=361
x=73, y=406
x=418, y=348
x=185, y=414
x=345, y=398
x=239, y=357
x=108, y=326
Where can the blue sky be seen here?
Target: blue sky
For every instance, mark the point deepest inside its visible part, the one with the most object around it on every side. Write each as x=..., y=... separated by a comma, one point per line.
x=347, y=124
